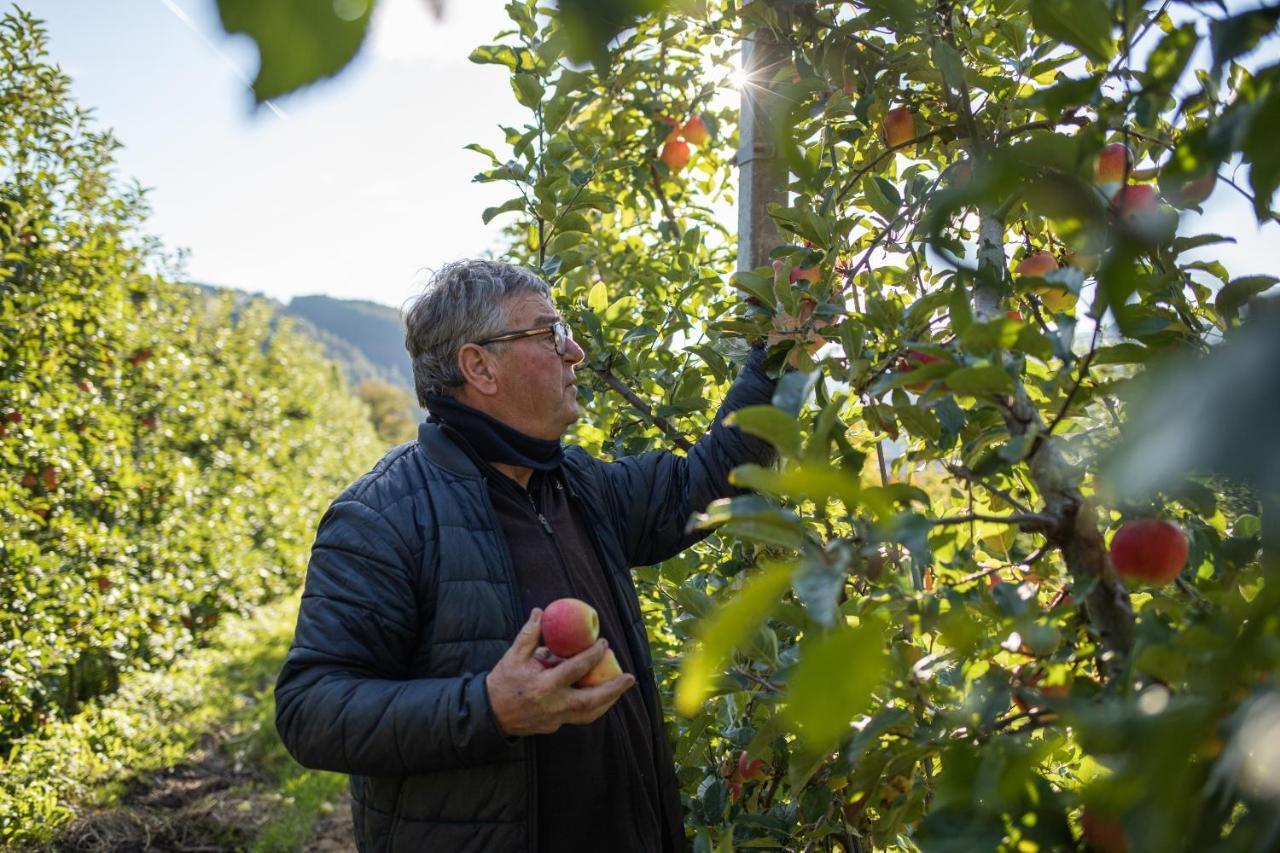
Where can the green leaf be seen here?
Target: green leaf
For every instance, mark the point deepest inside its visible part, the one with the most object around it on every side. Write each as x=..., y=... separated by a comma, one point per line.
x=948, y=61
x=1066, y=93
x=1168, y=60
x=752, y=517
x=833, y=683
x=1085, y=24
x=770, y=423
x=1262, y=153
x=882, y=196
x=514, y=59
x=1235, y=36
x=1239, y=291
x=980, y=380
x=727, y=629
x=299, y=41
x=509, y=206
x=816, y=482
x=528, y=89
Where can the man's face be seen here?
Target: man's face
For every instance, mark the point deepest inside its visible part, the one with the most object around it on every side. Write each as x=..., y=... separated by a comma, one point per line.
x=537, y=393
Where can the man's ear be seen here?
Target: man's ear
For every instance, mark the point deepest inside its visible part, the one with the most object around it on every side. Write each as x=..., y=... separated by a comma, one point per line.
x=478, y=369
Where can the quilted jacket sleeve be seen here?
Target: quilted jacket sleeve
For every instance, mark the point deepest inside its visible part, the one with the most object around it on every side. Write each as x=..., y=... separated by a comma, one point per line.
x=343, y=699
x=656, y=493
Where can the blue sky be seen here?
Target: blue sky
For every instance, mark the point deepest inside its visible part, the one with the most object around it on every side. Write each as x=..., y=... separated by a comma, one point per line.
x=361, y=184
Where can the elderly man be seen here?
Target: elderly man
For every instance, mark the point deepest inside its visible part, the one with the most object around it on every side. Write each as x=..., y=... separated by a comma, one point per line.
x=413, y=668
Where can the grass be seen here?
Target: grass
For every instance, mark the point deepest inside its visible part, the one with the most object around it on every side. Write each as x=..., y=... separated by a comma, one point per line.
x=192, y=749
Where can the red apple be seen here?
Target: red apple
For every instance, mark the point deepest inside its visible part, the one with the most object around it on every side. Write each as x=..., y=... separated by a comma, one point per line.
x=898, y=127
x=50, y=477
x=811, y=274
x=1037, y=265
x=675, y=154
x=1115, y=162
x=606, y=670
x=104, y=584
x=750, y=771
x=914, y=360
x=735, y=791
x=1102, y=833
x=1149, y=549
x=569, y=626
x=695, y=131
x=961, y=174
x=15, y=417
x=29, y=480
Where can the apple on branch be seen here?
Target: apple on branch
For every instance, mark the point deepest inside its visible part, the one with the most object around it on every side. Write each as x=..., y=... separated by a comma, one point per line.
x=1038, y=265
x=898, y=128
x=675, y=154
x=1149, y=549
x=695, y=131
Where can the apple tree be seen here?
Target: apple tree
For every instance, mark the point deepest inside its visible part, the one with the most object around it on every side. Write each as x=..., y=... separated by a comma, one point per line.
x=1006, y=348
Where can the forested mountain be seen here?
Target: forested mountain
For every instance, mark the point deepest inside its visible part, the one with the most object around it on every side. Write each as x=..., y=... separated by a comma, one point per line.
x=366, y=338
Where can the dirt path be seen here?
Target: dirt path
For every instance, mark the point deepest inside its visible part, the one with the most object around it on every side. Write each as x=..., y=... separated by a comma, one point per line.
x=205, y=805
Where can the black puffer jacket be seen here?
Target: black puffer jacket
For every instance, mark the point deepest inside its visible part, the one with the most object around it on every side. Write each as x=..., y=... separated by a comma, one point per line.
x=410, y=600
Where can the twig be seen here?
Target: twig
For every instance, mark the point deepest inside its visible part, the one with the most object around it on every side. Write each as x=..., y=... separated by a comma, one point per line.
x=631, y=397
x=965, y=474
x=1026, y=520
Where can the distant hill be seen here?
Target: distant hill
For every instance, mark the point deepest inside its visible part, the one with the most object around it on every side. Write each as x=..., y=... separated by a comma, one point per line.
x=365, y=338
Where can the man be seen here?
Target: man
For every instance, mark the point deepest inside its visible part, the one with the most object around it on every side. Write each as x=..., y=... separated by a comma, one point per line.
x=414, y=665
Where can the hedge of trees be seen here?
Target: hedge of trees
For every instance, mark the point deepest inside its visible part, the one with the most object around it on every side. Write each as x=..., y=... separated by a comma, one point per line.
x=165, y=454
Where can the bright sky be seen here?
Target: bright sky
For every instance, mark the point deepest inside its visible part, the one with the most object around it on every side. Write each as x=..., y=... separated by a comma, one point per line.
x=361, y=184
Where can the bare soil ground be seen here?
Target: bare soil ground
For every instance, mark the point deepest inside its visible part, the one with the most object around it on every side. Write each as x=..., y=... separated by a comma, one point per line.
x=201, y=806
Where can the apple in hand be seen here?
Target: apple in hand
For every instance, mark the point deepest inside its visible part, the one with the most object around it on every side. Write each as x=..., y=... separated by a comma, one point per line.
x=898, y=127
x=606, y=670
x=569, y=625
x=1149, y=549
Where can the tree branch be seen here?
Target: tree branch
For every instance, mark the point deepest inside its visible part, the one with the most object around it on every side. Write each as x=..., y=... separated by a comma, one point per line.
x=644, y=408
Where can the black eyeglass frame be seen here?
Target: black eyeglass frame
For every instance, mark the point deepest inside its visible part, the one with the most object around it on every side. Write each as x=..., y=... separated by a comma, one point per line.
x=559, y=331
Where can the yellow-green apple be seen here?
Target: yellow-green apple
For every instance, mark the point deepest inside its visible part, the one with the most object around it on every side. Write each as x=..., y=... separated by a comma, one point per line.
x=898, y=127
x=695, y=131
x=675, y=154
x=603, y=671
x=1149, y=549
x=569, y=625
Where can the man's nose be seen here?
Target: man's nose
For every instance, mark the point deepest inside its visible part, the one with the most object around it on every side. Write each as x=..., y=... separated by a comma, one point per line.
x=573, y=351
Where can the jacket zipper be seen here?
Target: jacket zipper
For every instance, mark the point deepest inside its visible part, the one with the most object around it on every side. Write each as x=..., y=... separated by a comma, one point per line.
x=531, y=773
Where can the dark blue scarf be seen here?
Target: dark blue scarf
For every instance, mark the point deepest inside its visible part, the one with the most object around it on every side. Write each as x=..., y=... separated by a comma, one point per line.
x=493, y=440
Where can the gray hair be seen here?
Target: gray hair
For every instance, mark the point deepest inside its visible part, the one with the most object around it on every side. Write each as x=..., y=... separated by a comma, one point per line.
x=464, y=301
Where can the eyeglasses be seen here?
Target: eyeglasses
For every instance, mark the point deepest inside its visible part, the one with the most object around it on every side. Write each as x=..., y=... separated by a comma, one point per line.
x=558, y=330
